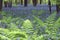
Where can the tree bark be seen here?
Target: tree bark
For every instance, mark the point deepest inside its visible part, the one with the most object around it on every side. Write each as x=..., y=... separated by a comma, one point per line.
x=40, y=1
x=1, y=1
x=57, y=5
x=5, y=3
x=57, y=8
x=16, y=1
x=34, y=2
x=21, y=2
x=49, y=3
x=25, y=3
x=10, y=4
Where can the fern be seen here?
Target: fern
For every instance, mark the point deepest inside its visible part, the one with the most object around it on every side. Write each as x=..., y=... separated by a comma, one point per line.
x=39, y=21
x=15, y=34
x=40, y=38
x=13, y=27
x=57, y=23
x=4, y=31
x=27, y=24
x=4, y=38
x=6, y=19
x=51, y=18
x=3, y=34
x=8, y=35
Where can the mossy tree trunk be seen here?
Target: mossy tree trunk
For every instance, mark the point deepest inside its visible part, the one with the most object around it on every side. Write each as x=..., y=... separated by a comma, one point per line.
x=21, y=2
x=40, y=1
x=16, y=1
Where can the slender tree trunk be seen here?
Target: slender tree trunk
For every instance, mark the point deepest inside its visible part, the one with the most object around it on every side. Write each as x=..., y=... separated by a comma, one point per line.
x=21, y=2
x=25, y=3
x=5, y=3
x=57, y=5
x=40, y=1
x=10, y=4
x=16, y=1
x=34, y=2
x=49, y=3
x=1, y=1
x=57, y=8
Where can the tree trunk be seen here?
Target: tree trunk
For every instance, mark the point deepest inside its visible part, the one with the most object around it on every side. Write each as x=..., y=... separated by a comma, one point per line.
x=10, y=4
x=1, y=1
x=57, y=8
x=21, y=2
x=5, y=3
x=16, y=1
x=57, y=5
x=40, y=1
x=49, y=3
x=34, y=2
x=25, y=3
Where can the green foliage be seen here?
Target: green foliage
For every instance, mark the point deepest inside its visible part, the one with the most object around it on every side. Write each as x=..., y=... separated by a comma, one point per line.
x=9, y=35
x=27, y=24
x=39, y=21
x=6, y=19
x=30, y=30
x=51, y=18
x=2, y=37
x=3, y=33
x=14, y=34
x=12, y=27
x=40, y=38
x=57, y=23
x=37, y=12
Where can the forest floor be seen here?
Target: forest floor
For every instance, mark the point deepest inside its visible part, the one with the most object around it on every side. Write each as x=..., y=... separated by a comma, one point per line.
x=26, y=12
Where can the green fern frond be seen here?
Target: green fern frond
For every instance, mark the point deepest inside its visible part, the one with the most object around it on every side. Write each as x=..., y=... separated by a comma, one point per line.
x=15, y=34
x=4, y=38
x=51, y=18
x=39, y=21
